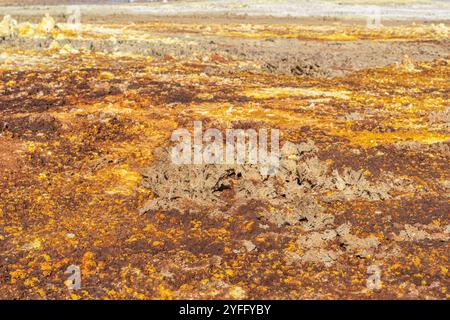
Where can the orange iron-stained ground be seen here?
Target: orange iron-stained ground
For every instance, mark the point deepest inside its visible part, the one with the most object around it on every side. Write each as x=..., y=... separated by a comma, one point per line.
x=81, y=112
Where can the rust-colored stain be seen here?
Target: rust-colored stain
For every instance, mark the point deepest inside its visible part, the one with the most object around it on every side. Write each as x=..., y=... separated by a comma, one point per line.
x=77, y=127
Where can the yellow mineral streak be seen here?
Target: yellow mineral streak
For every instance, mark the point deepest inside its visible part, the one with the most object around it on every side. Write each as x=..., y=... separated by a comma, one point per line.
x=267, y=93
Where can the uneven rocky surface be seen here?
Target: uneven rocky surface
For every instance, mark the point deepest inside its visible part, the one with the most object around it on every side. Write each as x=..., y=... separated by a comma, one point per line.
x=363, y=181
x=273, y=55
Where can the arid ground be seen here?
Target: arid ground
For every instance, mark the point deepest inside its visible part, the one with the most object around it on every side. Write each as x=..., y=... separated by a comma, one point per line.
x=358, y=210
